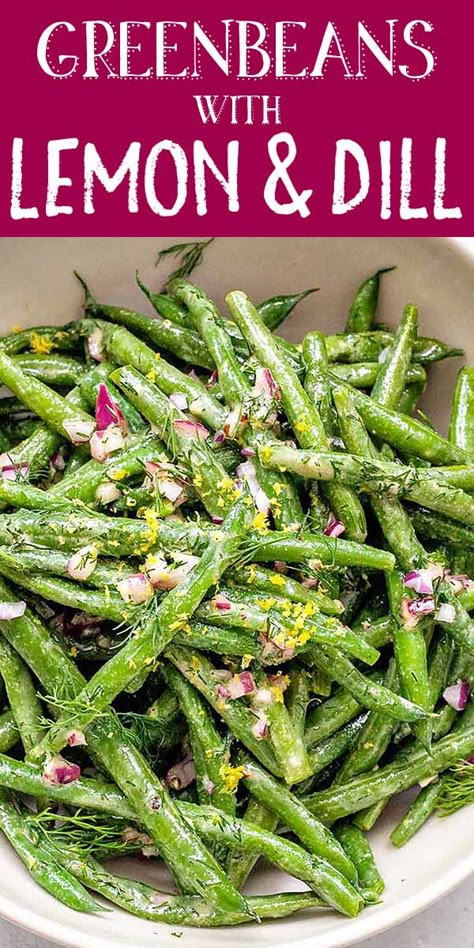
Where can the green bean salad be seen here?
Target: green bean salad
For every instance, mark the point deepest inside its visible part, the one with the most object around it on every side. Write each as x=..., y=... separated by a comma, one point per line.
x=235, y=596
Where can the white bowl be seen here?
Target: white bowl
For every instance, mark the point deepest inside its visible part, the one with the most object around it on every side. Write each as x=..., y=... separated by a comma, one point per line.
x=37, y=287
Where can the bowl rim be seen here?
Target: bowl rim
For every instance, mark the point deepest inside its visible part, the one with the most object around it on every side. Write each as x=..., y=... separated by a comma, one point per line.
x=374, y=920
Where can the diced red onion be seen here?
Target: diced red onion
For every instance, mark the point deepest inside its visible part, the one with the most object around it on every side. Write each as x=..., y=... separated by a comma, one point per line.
x=264, y=696
x=265, y=383
x=240, y=685
x=271, y=650
x=420, y=580
x=78, y=430
x=279, y=681
x=15, y=472
x=94, y=345
x=171, y=490
x=192, y=374
x=309, y=582
x=208, y=785
x=459, y=582
x=61, y=771
x=179, y=400
x=82, y=564
x=181, y=775
x=104, y=443
x=457, y=695
x=191, y=429
x=222, y=674
x=413, y=609
x=136, y=588
x=446, y=613
x=425, y=782
x=280, y=567
x=260, y=728
x=58, y=461
x=248, y=473
x=334, y=527
x=107, y=412
x=234, y=422
x=222, y=603
x=12, y=610
x=248, y=452
x=108, y=492
x=217, y=520
x=219, y=437
x=212, y=379
x=160, y=574
x=76, y=739
x=222, y=692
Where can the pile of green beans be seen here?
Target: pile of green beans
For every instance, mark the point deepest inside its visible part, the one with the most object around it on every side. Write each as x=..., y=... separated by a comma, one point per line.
x=235, y=591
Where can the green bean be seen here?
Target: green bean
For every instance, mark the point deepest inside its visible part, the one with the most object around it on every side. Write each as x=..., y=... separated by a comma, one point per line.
x=461, y=430
x=60, y=371
x=127, y=350
x=334, y=552
x=181, y=342
x=115, y=536
x=338, y=802
x=417, y=814
x=435, y=527
x=302, y=413
x=328, y=717
x=364, y=306
x=292, y=812
x=44, y=870
x=392, y=378
x=373, y=740
x=155, y=633
x=411, y=396
x=45, y=402
x=237, y=716
x=21, y=692
x=368, y=346
x=44, y=339
x=405, y=433
x=393, y=519
x=267, y=580
x=316, y=381
x=410, y=653
x=237, y=391
x=286, y=739
x=239, y=863
x=142, y=900
x=165, y=305
x=9, y=733
x=333, y=747
x=365, y=375
x=192, y=864
x=298, y=698
x=373, y=475
x=206, y=742
x=275, y=310
x=208, y=476
x=357, y=847
x=370, y=694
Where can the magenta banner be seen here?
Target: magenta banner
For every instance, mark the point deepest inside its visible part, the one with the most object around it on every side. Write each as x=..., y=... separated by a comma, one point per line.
x=238, y=119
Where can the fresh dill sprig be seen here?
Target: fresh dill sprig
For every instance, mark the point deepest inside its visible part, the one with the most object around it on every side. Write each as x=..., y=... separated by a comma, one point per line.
x=87, y=833
x=458, y=788
x=190, y=256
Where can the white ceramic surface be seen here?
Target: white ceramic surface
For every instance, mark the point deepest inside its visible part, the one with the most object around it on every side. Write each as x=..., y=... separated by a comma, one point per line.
x=36, y=286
